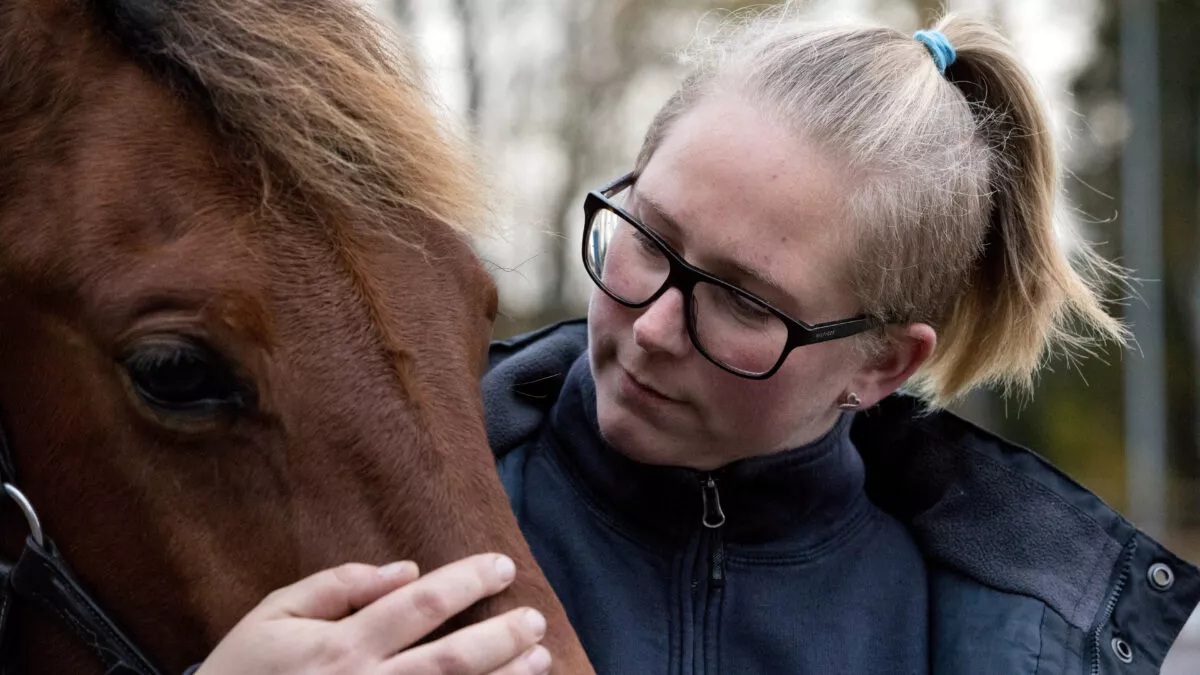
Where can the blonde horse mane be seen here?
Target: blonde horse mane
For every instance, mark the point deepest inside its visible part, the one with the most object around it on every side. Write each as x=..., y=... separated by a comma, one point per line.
x=330, y=109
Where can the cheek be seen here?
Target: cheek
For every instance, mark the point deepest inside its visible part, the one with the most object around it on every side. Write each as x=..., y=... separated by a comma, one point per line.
x=606, y=322
x=749, y=404
x=801, y=388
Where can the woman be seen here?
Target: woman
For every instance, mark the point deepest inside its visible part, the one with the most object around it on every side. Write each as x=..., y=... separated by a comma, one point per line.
x=714, y=472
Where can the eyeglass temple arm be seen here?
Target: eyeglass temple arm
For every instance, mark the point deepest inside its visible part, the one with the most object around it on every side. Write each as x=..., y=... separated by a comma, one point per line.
x=618, y=184
x=837, y=329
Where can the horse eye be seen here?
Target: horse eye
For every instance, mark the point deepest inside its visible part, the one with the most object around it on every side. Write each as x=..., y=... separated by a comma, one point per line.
x=183, y=377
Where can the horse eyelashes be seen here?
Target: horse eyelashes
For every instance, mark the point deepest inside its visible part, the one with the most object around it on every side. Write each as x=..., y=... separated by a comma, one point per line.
x=176, y=376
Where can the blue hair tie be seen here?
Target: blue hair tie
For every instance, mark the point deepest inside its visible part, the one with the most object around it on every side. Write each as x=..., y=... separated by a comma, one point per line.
x=938, y=46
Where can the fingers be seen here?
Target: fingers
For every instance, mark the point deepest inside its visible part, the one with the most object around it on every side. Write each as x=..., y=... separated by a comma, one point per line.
x=412, y=612
x=337, y=592
x=536, y=661
x=506, y=642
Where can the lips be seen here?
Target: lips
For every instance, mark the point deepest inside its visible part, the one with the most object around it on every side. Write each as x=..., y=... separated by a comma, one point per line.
x=649, y=389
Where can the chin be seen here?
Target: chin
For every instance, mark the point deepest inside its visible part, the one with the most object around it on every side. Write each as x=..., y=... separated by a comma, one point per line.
x=637, y=439
x=648, y=435
x=628, y=433
x=619, y=427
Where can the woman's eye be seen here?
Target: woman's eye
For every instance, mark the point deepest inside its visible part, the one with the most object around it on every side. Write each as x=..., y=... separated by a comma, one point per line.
x=182, y=376
x=745, y=307
x=645, y=242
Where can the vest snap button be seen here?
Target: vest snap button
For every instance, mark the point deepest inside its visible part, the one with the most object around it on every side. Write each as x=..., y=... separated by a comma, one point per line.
x=1161, y=577
x=1122, y=649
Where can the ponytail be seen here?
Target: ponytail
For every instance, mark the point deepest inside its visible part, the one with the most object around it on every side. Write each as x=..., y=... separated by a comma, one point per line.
x=1023, y=299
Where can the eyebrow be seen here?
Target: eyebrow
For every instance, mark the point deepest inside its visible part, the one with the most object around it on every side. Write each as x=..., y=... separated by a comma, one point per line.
x=737, y=268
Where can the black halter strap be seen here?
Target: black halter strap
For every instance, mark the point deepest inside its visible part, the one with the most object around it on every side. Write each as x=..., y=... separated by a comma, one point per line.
x=40, y=578
x=8, y=470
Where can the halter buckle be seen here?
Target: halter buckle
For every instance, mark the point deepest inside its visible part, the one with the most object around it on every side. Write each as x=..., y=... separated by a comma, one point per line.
x=31, y=516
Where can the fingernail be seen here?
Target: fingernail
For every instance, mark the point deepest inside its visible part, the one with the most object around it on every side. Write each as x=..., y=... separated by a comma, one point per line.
x=538, y=660
x=397, y=570
x=505, y=568
x=536, y=622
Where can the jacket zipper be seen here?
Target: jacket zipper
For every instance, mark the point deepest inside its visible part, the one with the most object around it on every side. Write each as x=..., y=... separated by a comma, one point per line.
x=1111, y=605
x=713, y=519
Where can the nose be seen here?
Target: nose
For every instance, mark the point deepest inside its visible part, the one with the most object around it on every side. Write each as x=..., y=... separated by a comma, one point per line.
x=661, y=328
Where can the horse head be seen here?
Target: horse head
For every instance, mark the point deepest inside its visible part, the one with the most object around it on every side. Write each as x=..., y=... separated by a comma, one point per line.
x=241, y=324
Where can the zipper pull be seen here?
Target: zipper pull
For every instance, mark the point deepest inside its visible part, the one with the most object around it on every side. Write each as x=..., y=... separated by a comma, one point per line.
x=714, y=517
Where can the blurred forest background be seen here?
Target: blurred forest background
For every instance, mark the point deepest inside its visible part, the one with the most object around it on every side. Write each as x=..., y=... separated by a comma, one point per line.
x=557, y=94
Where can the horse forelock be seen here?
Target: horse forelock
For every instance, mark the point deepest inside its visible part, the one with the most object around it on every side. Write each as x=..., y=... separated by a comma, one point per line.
x=327, y=106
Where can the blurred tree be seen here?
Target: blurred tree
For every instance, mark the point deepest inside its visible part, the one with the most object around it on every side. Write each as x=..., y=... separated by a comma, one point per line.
x=403, y=12
x=467, y=14
x=577, y=84
x=1099, y=102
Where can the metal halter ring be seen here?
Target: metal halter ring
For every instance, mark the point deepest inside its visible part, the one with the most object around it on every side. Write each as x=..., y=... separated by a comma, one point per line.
x=31, y=517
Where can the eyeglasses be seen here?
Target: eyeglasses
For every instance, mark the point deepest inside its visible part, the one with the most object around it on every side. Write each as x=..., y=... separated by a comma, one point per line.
x=731, y=327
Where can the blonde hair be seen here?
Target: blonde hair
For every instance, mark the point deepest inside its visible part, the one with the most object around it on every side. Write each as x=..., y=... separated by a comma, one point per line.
x=957, y=179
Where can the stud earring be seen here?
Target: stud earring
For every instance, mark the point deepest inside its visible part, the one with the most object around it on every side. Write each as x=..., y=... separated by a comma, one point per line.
x=850, y=402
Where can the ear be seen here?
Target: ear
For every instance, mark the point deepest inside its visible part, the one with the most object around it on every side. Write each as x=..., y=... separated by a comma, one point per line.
x=908, y=348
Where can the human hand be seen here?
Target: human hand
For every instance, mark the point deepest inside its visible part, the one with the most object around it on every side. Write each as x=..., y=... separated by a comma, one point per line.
x=360, y=619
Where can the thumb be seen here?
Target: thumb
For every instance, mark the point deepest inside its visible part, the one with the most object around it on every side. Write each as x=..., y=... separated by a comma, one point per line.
x=337, y=592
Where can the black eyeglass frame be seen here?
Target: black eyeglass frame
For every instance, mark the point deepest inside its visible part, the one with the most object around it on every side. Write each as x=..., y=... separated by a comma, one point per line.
x=685, y=276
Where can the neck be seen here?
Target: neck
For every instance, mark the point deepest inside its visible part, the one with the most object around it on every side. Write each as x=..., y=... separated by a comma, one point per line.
x=802, y=494
x=732, y=455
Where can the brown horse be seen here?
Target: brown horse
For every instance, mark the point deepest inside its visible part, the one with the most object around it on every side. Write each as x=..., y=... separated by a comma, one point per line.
x=241, y=327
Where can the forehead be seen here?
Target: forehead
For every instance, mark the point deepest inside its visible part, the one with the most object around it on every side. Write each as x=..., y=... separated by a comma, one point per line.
x=747, y=188
x=148, y=213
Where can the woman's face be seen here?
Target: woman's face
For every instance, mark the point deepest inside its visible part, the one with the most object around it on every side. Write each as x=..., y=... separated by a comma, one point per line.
x=742, y=198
